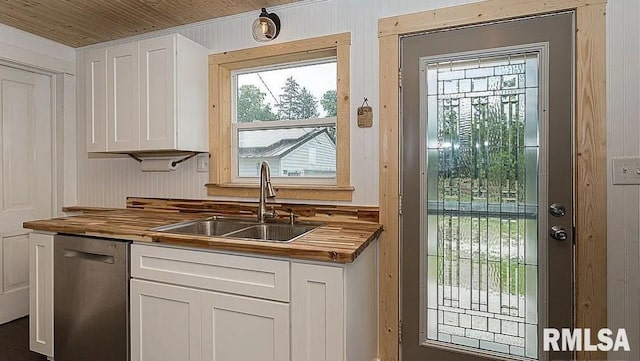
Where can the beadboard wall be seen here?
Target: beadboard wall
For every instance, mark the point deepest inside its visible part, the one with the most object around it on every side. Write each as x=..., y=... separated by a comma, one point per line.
x=623, y=139
x=106, y=182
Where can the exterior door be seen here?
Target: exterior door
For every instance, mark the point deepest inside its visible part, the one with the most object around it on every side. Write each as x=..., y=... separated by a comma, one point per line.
x=25, y=179
x=487, y=189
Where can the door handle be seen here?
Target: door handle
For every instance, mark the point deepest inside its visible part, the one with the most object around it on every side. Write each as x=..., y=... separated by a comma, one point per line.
x=69, y=253
x=558, y=233
x=557, y=210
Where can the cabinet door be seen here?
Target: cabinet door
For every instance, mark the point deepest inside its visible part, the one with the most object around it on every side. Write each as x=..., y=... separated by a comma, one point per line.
x=123, y=98
x=96, y=99
x=240, y=328
x=41, y=293
x=165, y=322
x=158, y=94
x=317, y=313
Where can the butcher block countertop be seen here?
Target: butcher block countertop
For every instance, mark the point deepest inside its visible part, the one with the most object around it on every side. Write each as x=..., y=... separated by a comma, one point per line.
x=331, y=242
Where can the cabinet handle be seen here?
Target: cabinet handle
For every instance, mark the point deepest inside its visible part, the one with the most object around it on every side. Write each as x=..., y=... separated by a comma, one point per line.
x=69, y=253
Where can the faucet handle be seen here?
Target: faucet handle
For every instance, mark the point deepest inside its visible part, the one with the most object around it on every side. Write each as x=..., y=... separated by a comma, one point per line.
x=271, y=213
x=292, y=218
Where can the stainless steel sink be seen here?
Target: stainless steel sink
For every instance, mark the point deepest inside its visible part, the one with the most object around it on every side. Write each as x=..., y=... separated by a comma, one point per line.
x=208, y=227
x=240, y=229
x=273, y=232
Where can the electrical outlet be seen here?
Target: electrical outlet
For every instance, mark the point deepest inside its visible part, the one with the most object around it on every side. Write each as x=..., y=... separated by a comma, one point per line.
x=626, y=170
x=203, y=162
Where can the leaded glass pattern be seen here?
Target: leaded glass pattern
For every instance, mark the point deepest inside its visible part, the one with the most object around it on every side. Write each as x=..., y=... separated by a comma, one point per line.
x=482, y=203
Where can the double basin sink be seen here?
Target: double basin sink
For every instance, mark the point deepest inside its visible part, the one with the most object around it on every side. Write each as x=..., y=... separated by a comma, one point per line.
x=241, y=229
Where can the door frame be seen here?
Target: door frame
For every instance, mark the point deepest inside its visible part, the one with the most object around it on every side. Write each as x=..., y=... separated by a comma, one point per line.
x=589, y=168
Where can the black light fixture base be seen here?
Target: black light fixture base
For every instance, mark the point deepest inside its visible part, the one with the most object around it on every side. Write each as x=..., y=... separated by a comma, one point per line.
x=273, y=26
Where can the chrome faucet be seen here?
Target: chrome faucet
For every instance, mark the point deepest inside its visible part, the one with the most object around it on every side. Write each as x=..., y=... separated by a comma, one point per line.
x=266, y=191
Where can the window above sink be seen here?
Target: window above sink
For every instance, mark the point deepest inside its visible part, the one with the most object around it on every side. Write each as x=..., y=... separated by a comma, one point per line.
x=288, y=104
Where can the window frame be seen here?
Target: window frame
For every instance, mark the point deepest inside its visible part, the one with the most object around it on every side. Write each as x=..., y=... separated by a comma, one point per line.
x=222, y=181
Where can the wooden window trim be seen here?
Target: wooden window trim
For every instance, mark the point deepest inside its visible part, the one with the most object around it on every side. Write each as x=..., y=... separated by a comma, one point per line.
x=220, y=68
x=590, y=167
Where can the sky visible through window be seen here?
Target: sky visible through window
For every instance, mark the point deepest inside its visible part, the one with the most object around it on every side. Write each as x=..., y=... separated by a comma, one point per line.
x=316, y=78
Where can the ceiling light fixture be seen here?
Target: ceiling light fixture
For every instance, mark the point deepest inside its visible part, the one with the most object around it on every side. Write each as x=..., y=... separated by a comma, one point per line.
x=266, y=27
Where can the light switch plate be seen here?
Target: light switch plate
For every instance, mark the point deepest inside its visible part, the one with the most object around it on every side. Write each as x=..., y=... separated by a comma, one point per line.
x=626, y=170
x=203, y=162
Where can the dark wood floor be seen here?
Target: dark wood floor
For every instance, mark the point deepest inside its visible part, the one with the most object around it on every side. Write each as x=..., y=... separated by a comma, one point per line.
x=14, y=342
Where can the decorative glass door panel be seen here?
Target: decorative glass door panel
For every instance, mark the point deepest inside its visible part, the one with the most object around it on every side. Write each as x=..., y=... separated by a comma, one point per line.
x=482, y=201
x=486, y=253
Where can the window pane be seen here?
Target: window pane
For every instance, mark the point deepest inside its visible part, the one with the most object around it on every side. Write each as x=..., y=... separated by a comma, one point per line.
x=291, y=152
x=290, y=92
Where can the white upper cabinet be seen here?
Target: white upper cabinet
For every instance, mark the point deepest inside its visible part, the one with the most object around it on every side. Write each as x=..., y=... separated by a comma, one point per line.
x=123, y=102
x=156, y=96
x=96, y=99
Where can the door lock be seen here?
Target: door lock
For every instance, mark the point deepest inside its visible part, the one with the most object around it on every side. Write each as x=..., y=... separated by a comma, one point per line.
x=557, y=210
x=558, y=233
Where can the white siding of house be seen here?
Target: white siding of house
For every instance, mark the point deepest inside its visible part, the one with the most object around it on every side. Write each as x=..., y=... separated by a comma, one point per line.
x=250, y=167
x=302, y=158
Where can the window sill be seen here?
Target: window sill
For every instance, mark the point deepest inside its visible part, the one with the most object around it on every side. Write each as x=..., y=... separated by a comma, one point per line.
x=306, y=192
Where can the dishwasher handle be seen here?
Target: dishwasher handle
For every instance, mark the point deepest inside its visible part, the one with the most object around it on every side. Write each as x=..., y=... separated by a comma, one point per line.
x=96, y=257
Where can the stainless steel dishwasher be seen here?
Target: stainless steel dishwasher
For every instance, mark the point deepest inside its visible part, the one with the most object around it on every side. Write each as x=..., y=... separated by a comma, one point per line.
x=91, y=299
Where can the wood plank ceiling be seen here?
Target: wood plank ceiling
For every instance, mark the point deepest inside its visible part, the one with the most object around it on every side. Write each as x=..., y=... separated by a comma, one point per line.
x=84, y=22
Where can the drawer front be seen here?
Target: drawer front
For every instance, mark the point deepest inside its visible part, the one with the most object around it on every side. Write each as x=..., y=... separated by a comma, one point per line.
x=242, y=275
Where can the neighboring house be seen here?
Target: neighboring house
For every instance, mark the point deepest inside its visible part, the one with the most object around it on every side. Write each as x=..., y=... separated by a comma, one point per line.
x=294, y=152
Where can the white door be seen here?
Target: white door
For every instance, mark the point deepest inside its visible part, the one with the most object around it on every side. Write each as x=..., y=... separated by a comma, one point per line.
x=25, y=179
x=165, y=322
x=237, y=328
x=157, y=83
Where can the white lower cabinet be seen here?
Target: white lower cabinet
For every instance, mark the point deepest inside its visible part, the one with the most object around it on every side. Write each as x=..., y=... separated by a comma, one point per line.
x=241, y=328
x=317, y=312
x=172, y=323
x=242, y=309
x=334, y=310
x=41, y=293
x=165, y=322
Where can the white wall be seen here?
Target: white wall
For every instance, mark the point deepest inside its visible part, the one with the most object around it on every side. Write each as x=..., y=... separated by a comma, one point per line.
x=106, y=182
x=623, y=139
x=22, y=48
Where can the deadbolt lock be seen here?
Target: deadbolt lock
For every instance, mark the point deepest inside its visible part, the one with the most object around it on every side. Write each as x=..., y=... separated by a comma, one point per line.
x=558, y=233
